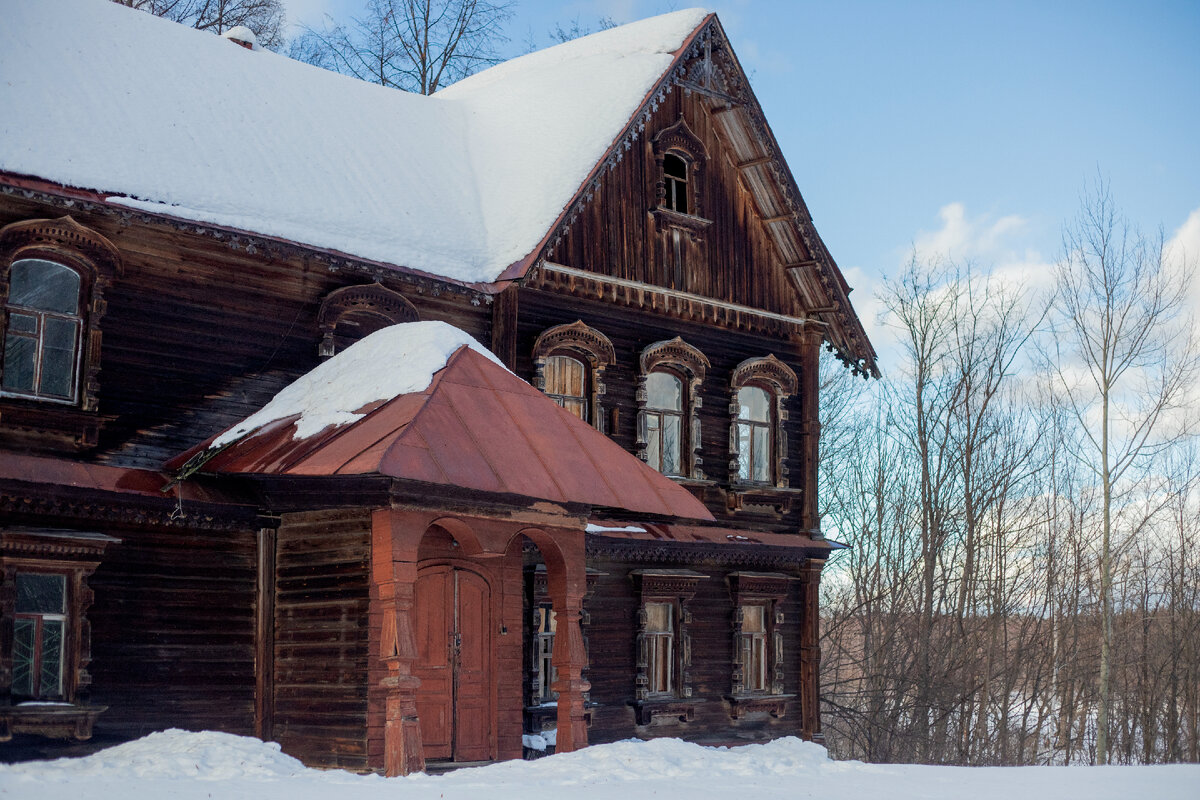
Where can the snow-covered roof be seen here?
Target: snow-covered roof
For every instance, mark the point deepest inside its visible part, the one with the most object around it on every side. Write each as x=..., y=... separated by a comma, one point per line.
x=181, y=122
x=399, y=359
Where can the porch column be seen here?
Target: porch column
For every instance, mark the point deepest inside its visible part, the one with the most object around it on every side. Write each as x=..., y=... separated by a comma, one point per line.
x=810, y=650
x=567, y=586
x=394, y=573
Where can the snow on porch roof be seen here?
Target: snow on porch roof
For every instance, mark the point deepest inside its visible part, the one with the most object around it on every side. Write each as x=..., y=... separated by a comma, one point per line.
x=180, y=122
x=454, y=416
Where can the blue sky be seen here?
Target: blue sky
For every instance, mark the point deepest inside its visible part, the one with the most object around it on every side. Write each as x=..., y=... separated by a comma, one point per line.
x=964, y=128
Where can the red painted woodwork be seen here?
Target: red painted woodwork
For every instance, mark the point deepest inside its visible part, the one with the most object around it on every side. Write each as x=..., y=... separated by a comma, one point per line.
x=453, y=618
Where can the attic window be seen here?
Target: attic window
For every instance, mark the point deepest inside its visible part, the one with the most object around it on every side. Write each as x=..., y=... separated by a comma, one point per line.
x=675, y=181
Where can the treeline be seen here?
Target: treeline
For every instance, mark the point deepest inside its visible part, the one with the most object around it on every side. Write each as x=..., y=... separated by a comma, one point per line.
x=1022, y=496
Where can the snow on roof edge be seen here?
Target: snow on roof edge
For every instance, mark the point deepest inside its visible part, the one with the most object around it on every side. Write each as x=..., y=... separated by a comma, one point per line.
x=399, y=359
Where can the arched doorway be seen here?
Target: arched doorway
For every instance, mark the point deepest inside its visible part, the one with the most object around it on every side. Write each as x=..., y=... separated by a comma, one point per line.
x=453, y=610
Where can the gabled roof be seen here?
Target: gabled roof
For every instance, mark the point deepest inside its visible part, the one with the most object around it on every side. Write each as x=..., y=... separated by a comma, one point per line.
x=470, y=424
x=180, y=122
x=471, y=184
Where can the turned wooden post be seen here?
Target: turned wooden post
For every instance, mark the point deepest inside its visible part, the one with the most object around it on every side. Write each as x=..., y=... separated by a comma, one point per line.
x=567, y=586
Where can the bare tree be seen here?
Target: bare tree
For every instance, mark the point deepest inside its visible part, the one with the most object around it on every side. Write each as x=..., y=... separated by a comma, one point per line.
x=264, y=17
x=1123, y=365
x=415, y=45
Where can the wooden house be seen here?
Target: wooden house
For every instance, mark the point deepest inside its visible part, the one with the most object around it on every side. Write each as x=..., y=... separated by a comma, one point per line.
x=613, y=534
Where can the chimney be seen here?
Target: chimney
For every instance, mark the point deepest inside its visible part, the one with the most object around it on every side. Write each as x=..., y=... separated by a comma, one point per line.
x=241, y=35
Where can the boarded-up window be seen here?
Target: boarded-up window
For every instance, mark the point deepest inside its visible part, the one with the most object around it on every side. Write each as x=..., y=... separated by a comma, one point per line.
x=566, y=380
x=660, y=640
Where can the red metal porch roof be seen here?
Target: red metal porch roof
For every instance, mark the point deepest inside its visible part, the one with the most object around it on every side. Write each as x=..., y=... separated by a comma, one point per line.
x=476, y=426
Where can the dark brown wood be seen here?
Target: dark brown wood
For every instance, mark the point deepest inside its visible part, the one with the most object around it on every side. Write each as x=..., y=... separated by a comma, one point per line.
x=264, y=637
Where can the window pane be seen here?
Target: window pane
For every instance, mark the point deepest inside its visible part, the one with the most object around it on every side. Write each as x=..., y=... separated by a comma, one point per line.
x=752, y=619
x=22, y=323
x=744, y=445
x=675, y=166
x=22, y=676
x=761, y=469
x=664, y=391
x=41, y=594
x=653, y=442
x=660, y=666
x=58, y=357
x=754, y=404
x=671, y=445
x=44, y=285
x=19, y=352
x=50, y=679
x=658, y=617
x=576, y=407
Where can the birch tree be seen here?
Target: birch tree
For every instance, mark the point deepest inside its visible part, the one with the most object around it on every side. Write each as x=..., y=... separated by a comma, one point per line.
x=1124, y=362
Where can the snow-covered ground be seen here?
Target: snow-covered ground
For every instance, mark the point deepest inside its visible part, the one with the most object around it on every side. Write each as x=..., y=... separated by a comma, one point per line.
x=178, y=764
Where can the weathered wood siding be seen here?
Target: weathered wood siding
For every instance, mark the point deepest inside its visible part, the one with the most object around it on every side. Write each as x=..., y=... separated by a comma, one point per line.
x=616, y=234
x=200, y=332
x=173, y=631
x=322, y=584
x=612, y=640
x=631, y=331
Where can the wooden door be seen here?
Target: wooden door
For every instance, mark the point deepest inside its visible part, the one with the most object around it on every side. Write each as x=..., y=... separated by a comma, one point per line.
x=453, y=618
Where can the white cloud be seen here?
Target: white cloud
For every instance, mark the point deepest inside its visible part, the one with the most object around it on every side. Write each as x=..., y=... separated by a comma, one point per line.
x=1183, y=253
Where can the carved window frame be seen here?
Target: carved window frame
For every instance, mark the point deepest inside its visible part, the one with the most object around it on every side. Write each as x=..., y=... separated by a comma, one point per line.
x=97, y=262
x=679, y=357
x=74, y=556
x=678, y=140
x=780, y=383
x=583, y=342
x=769, y=590
x=374, y=299
x=676, y=588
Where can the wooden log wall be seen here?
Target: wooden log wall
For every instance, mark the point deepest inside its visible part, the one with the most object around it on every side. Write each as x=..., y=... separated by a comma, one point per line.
x=322, y=585
x=173, y=631
x=631, y=331
x=200, y=333
x=616, y=235
x=613, y=632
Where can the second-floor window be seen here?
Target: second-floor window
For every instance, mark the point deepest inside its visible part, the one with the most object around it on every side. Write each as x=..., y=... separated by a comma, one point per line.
x=754, y=434
x=566, y=384
x=665, y=422
x=41, y=342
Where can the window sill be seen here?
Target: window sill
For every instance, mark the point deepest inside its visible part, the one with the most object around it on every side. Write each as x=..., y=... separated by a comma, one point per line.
x=679, y=709
x=665, y=217
x=761, y=498
x=48, y=423
x=55, y=720
x=742, y=704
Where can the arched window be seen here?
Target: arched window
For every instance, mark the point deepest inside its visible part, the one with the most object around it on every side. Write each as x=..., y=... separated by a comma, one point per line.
x=41, y=342
x=569, y=363
x=354, y=312
x=53, y=275
x=757, y=440
x=675, y=181
x=755, y=425
x=566, y=380
x=664, y=422
x=668, y=397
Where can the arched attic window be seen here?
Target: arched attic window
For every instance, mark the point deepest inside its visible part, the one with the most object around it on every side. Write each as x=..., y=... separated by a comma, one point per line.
x=679, y=156
x=757, y=438
x=569, y=363
x=668, y=398
x=53, y=274
x=353, y=312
